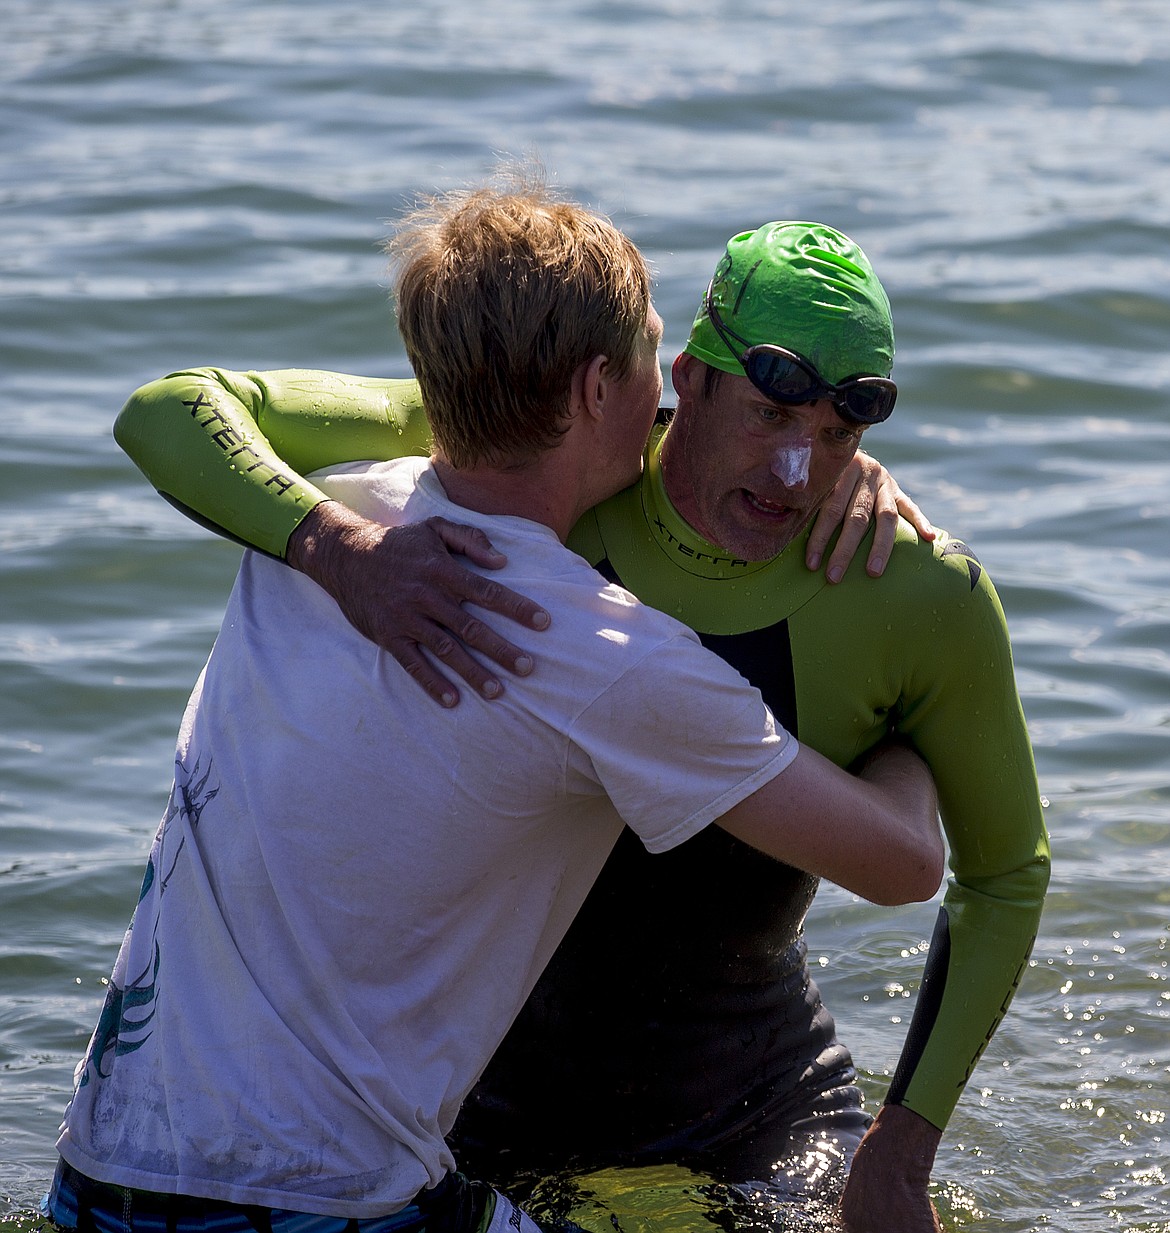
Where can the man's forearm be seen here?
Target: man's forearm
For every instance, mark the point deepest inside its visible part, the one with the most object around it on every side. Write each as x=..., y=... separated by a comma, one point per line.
x=194, y=436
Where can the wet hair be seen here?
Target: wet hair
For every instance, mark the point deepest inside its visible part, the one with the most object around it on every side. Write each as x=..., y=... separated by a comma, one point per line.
x=502, y=294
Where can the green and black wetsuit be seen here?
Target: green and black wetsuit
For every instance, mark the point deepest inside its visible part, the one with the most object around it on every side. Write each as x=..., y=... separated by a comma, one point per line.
x=678, y=1020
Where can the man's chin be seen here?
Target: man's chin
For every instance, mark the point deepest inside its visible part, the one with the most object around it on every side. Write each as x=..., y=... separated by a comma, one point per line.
x=764, y=528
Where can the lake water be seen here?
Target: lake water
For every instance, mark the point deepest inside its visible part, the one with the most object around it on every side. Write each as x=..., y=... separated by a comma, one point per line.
x=204, y=181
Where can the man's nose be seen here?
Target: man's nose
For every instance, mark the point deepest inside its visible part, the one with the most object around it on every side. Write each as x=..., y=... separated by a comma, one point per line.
x=790, y=463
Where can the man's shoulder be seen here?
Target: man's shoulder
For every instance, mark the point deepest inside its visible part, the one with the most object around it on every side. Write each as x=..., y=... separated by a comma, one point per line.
x=948, y=565
x=599, y=606
x=944, y=580
x=379, y=490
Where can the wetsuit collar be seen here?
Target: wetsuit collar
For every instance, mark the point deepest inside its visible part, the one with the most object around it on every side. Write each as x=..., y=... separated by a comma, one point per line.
x=678, y=539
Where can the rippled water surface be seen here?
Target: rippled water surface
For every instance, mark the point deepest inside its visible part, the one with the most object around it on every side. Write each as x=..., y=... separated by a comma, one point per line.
x=198, y=181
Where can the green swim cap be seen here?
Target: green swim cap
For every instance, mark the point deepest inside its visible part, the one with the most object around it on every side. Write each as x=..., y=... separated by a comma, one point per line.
x=802, y=286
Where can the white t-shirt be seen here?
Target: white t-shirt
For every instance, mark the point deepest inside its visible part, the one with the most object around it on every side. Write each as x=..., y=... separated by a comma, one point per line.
x=353, y=890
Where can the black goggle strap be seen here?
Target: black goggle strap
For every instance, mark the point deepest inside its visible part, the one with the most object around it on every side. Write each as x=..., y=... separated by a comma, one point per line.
x=759, y=363
x=725, y=332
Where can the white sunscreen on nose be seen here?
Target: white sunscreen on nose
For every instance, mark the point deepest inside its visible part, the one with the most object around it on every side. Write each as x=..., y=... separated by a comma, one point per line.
x=790, y=465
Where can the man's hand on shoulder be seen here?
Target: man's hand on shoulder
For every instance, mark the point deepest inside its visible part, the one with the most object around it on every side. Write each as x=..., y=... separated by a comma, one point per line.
x=886, y=1191
x=402, y=588
x=866, y=492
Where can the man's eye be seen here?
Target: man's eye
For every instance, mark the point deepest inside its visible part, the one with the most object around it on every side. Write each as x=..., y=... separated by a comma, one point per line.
x=769, y=414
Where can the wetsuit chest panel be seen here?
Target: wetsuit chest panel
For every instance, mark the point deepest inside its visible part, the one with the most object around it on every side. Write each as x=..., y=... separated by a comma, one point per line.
x=764, y=657
x=772, y=898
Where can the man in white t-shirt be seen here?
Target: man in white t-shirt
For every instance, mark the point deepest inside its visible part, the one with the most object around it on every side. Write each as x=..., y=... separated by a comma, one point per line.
x=352, y=891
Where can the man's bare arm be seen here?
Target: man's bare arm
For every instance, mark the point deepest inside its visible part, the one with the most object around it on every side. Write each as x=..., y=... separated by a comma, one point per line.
x=875, y=833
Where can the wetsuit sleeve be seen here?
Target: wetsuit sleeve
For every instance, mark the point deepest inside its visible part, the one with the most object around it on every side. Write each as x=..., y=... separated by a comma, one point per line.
x=969, y=726
x=230, y=449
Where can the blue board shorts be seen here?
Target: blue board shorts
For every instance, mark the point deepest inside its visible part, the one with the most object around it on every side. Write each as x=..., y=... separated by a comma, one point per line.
x=457, y=1205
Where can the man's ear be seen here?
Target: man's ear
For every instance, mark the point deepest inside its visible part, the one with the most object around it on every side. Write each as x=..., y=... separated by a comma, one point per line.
x=591, y=385
x=686, y=375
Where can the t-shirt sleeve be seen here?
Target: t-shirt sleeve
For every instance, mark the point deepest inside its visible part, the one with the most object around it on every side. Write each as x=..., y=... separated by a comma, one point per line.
x=677, y=740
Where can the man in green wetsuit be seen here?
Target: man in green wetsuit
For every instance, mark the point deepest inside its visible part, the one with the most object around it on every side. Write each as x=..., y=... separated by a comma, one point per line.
x=678, y=1021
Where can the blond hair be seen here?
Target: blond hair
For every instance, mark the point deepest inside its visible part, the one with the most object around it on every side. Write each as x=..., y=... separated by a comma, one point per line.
x=502, y=295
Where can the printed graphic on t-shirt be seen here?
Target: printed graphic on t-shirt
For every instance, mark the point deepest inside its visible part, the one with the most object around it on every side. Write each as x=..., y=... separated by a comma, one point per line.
x=124, y=1025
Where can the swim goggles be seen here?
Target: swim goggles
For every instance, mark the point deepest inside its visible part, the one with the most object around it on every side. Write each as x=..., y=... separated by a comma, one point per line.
x=787, y=377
